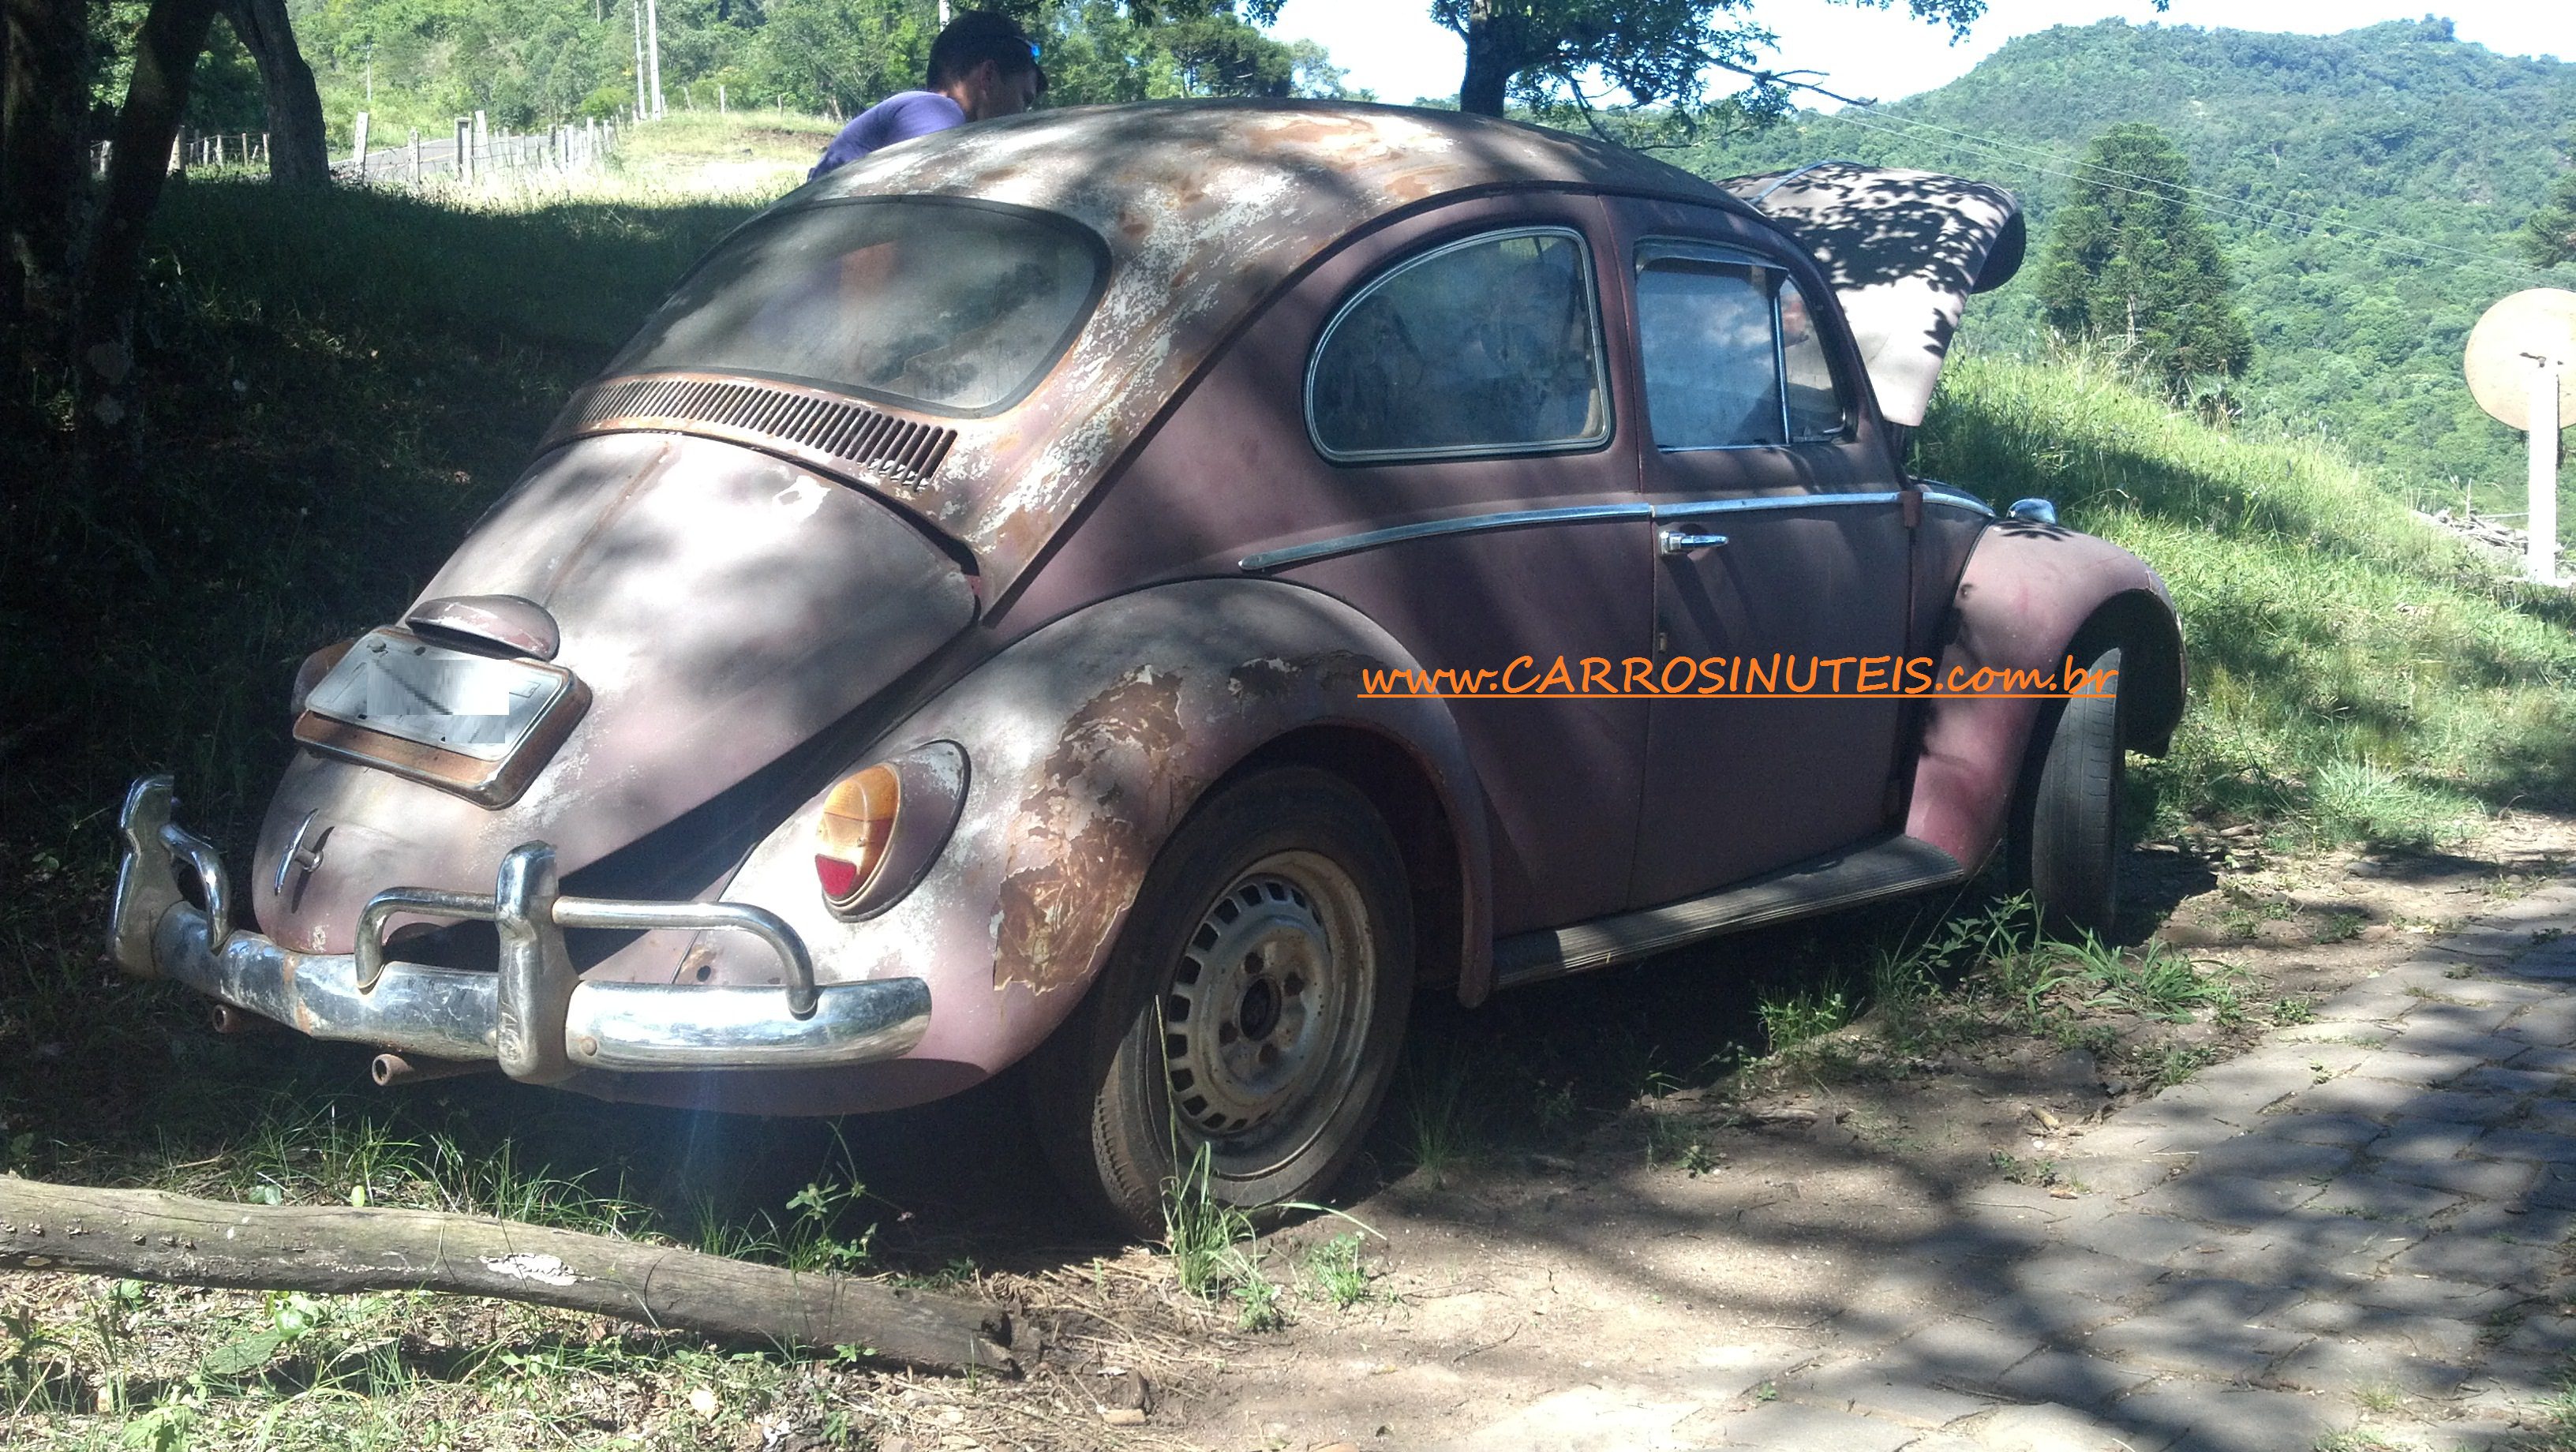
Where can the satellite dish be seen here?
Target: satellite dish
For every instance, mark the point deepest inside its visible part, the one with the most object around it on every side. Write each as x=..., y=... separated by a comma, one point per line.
x=2518, y=335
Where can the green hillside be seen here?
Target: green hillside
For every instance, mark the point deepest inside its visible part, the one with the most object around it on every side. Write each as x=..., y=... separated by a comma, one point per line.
x=2366, y=185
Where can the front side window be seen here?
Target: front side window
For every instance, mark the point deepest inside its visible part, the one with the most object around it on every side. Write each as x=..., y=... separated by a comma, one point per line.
x=1731, y=353
x=950, y=307
x=1488, y=346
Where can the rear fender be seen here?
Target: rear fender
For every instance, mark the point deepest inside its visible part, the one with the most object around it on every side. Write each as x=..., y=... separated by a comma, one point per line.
x=2032, y=595
x=1087, y=743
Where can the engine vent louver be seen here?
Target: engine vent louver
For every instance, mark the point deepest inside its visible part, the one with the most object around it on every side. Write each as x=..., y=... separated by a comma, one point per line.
x=837, y=432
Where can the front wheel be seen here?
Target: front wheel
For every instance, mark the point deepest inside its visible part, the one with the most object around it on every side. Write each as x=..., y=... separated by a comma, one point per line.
x=1253, y=1007
x=2067, y=852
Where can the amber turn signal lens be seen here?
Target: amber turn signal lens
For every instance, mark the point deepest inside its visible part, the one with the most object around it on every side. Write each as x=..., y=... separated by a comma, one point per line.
x=851, y=836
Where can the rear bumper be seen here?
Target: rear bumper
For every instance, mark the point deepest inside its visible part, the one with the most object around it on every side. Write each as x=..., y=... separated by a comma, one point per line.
x=535, y=1016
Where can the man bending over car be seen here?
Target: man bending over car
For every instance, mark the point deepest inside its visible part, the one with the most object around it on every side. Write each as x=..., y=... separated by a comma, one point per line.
x=981, y=66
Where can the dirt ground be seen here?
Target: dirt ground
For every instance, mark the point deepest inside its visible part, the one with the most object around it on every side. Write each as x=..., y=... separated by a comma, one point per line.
x=1723, y=1227
x=1591, y=1181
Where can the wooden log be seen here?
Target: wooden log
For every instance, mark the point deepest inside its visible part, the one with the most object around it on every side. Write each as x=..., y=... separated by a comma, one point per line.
x=175, y=1239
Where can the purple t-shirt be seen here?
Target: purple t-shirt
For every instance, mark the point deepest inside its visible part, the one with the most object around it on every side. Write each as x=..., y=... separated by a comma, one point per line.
x=899, y=117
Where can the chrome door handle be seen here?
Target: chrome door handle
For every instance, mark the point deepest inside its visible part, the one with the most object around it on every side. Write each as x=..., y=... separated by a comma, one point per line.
x=1672, y=540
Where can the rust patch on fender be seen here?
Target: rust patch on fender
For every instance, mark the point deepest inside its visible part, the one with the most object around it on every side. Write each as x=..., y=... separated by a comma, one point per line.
x=1084, y=832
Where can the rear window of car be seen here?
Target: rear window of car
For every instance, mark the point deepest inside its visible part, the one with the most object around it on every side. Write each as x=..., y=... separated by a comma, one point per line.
x=1731, y=353
x=1487, y=346
x=948, y=306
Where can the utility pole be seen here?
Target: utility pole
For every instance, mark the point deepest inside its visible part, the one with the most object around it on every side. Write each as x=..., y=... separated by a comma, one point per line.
x=653, y=50
x=2542, y=561
x=636, y=8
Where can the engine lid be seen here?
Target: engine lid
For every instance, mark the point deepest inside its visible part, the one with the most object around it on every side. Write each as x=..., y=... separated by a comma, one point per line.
x=719, y=606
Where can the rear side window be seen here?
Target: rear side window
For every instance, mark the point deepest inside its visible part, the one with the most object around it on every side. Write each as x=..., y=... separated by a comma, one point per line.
x=1731, y=353
x=1487, y=346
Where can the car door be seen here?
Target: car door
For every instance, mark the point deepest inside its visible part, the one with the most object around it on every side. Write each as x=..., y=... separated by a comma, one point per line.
x=1464, y=386
x=1780, y=559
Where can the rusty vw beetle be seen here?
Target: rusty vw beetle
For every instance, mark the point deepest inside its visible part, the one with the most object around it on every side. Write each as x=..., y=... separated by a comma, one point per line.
x=989, y=612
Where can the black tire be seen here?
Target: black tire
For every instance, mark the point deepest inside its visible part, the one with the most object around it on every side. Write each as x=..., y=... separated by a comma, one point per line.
x=2068, y=853
x=1281, y=905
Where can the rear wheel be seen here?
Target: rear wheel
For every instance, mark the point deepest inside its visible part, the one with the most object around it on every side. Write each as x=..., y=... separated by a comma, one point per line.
x=1253, y=1007
x=2068, y=846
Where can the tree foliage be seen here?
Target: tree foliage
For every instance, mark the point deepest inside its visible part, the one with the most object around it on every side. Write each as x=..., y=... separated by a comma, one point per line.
x=2549, y=237
x=2130, y=262
x=2366, y=187
x=530, y=63
x=1551, y=53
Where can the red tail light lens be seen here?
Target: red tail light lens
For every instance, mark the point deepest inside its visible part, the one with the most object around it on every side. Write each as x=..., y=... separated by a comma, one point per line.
x=852, y=834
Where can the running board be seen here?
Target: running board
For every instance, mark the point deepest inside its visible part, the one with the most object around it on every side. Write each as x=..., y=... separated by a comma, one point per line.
x=1891, y=867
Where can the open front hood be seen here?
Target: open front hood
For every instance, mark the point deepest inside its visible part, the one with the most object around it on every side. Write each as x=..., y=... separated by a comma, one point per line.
x=721, y=605
x=1903, y=250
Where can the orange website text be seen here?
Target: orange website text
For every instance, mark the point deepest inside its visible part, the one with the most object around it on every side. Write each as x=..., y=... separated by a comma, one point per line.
x=1783, y=677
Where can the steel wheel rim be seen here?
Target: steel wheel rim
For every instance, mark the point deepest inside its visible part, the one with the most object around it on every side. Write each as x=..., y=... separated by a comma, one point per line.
x=1266, y=1010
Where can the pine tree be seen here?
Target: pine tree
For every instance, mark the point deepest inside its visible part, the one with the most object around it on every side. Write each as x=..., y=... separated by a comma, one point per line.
x=2549, y=238
x=2131, y=263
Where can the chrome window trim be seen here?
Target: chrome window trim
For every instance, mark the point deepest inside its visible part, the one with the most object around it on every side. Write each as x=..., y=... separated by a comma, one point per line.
x=1433, y=528
x=1833, y=371
x=1697, y=508
x=1687, y=249
x=1600, y=358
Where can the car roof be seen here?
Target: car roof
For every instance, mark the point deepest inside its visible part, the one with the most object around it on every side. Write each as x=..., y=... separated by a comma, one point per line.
x=1206, y=207
x=1276, y=176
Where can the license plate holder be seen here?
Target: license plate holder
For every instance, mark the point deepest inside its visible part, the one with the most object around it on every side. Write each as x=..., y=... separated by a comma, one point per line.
x=476, y=725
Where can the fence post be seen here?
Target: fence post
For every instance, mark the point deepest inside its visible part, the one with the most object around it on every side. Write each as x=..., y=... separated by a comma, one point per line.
x=464, y=151
x=720, y=98
x=415, y=158
x=482, y=145
x=358, y=149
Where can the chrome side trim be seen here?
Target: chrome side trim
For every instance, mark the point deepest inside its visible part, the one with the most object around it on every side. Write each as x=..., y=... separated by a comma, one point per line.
x=1889, y=867
x=1697, y=508
x=1936, y=492
x=1427, y=529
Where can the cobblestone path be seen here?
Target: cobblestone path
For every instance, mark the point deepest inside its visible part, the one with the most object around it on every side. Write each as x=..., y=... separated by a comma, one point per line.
x=2358, y=1230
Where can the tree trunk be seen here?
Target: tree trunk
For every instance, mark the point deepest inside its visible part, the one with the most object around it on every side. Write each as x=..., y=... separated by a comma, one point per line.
x=149, y=1235
x=165, y=54
x=297, y=153
x=43, y=101
x=1489, y=62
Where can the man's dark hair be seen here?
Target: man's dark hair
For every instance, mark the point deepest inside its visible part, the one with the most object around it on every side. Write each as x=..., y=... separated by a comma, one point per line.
x=979, y=36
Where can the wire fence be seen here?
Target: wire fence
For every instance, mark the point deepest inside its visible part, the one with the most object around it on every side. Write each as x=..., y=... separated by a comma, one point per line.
x=472, y=154
x=475, y=153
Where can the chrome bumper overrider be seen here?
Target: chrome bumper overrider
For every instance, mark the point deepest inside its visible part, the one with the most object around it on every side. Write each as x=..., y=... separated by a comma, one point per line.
x=536, y=1015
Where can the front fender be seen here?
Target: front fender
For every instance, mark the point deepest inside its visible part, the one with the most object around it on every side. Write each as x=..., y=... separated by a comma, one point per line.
x=1087, y=742
x=2029, y=596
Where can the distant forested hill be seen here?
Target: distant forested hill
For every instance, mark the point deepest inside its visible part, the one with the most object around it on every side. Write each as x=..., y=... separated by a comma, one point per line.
x=2366, y=185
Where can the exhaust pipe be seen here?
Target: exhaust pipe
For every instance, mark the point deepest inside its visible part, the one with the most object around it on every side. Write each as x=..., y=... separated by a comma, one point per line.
x=389, y=1070
x=230, y=1020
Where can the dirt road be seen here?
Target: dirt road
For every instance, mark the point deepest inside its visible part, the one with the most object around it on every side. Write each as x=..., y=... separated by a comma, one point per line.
x=2352, y=1223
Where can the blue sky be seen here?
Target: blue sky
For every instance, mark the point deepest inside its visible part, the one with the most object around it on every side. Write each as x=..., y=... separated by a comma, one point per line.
x=1391, y=46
